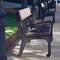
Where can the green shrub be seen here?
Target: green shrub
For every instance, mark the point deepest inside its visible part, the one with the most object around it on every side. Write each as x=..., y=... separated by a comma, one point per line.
x=11, y=24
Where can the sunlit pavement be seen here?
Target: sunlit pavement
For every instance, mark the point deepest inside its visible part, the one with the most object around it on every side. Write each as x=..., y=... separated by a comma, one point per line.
x=37, y=49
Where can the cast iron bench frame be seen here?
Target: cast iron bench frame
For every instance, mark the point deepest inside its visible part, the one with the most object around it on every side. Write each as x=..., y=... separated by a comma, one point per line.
x=25, y=15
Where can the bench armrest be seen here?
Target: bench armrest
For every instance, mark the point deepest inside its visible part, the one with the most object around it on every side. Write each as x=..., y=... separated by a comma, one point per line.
x=39, y=23
x=43, y=22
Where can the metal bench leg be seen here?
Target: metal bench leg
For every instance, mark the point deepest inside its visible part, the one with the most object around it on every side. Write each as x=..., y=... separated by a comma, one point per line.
x=51, y=39
x=23, y=43
x=51, y=36
x=53, y=19
x=49, y=48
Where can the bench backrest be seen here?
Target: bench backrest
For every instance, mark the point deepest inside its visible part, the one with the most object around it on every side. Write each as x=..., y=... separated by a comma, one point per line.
x=24, y=13
x=23, y=20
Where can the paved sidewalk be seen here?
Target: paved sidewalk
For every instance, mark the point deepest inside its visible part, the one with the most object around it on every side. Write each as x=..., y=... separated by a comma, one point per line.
x=37, y=49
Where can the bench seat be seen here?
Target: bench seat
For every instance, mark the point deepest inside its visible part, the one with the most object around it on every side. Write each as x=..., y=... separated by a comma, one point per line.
x=44, y=31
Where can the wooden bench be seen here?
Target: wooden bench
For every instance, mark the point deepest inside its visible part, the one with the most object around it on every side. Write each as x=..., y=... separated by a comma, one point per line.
x=52, y=6
x=47, y=8
x=29, y=30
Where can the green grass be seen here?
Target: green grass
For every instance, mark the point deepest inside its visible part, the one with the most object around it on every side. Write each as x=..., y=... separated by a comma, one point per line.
x=11, y=24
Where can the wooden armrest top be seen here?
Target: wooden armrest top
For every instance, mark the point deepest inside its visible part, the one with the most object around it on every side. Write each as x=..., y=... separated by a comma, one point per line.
x=43, y=22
